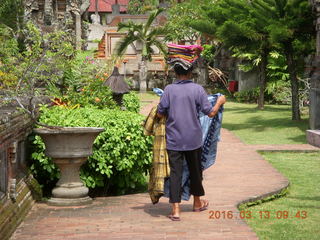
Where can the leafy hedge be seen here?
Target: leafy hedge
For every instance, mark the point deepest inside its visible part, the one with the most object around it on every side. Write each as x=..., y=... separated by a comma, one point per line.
x=122, y=154
x=247, y=96
x=131, y=102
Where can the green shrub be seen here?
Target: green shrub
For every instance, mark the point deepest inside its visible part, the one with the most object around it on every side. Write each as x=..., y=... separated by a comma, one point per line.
x=208, y=53
x=248, y=96
x=131, y=102
x=94, y=93
x=281, y=91
x=121, y=156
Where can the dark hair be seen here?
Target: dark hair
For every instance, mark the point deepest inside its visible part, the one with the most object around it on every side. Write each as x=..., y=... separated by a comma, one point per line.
x=179, y=70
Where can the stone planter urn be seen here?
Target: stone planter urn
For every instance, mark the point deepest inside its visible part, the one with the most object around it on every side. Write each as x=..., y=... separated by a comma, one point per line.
x=69, y=147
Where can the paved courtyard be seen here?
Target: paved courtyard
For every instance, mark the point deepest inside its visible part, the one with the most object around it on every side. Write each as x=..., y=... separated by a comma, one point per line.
x=238, y=175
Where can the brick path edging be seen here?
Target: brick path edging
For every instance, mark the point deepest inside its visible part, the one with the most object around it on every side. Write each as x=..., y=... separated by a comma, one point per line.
x=303, y=148
x=264, y=196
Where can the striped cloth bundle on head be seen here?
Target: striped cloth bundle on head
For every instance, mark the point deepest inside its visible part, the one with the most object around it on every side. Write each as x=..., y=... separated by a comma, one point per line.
x=184, y=55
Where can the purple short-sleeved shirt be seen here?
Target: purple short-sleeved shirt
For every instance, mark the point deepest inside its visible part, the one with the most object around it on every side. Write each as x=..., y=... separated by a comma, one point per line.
x=181, y=102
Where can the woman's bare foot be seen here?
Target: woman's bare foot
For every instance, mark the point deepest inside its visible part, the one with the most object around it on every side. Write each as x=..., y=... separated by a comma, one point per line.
x=200, y=204
x=175, y=209
x=175, y=214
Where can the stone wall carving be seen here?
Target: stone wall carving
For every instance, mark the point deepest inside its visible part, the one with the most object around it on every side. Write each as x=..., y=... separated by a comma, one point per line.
x=18, y=188
x=65, y=15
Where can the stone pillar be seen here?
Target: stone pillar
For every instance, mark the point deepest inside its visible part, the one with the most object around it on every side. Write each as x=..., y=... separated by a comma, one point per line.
x=115, y=9
x=315, y=105
x=48, y=12
x=316, y=4
x=78, y=31
x=203, y=73
x=315, y=79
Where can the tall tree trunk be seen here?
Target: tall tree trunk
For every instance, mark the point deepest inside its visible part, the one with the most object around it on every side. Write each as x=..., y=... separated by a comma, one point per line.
x=295, y=109
x=263, y=77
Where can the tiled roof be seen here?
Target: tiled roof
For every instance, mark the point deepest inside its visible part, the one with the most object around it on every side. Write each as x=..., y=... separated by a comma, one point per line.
x=105, y=5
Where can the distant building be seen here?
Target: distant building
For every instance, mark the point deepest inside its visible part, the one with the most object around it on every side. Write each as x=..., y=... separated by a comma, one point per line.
x=105, y=8
x=104, y=36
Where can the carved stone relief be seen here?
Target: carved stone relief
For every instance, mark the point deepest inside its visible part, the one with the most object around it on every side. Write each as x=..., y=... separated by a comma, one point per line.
x=66, y=15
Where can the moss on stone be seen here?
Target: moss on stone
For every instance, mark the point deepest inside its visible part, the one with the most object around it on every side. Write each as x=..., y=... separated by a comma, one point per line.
x=34, y=187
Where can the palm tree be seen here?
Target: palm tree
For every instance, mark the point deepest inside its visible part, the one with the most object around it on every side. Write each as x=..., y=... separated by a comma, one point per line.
x=142, y=37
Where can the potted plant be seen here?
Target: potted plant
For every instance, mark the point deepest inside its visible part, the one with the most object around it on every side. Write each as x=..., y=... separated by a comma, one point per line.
x=69, y=147
x=44, y=64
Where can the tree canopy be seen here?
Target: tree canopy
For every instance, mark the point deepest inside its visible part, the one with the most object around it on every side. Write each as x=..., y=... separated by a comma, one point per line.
x=11, y=13
x=260, y=26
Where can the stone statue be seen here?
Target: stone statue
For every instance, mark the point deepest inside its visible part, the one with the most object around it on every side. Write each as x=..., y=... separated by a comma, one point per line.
x=95, y=19
x=143, y=70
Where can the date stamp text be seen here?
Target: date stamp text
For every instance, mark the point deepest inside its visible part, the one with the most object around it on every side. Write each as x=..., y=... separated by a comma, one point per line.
x=246, y=214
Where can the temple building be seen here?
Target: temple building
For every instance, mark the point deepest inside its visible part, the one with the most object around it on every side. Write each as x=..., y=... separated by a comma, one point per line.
x=104, y=9
x=103, y=38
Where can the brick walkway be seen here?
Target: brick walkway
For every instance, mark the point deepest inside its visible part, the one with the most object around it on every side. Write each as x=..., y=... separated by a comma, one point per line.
x=240, y=174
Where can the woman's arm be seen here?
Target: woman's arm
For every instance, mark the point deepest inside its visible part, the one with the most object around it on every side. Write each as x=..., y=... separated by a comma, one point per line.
x=221, y=100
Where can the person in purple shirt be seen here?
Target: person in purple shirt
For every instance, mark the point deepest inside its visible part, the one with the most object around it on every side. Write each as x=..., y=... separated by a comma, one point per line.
x=181, y=103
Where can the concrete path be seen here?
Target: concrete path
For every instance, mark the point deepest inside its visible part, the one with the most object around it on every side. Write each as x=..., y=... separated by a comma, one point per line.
x=240, y=174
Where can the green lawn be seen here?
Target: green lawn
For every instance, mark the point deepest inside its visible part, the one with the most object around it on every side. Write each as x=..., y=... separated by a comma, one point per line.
x=273, y=125
x=303, y=172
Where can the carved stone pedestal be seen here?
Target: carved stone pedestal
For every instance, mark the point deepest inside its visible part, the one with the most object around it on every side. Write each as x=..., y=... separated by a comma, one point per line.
x=69, y=190
x=69, y=149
